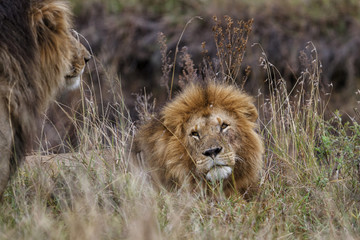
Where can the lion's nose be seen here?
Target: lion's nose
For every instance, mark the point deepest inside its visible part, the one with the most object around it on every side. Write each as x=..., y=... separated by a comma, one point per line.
x=212, y=152
x=87, y=58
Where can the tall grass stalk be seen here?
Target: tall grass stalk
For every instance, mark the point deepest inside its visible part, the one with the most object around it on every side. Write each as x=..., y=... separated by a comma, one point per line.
x=176, y=52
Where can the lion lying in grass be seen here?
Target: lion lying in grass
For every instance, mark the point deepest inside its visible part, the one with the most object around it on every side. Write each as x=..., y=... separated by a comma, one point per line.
x=204, y=137
x=38, y=56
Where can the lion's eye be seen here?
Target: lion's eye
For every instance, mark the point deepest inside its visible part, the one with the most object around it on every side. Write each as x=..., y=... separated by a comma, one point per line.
x=224, y=126
x=195, y=134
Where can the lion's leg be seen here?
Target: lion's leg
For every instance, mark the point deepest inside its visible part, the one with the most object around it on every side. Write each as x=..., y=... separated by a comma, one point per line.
x=5, y=147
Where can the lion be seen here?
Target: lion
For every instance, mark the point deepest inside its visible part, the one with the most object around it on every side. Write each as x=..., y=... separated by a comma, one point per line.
x=206, y=137
x=39, y=54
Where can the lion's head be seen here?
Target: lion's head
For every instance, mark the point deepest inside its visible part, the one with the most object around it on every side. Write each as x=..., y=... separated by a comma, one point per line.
x=208, y=132
x=62, y=56
x=80, y=56
x=38, y=56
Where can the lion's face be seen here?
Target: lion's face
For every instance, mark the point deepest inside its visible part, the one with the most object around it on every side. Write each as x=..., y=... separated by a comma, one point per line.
x=211, y=140
x=80, y=56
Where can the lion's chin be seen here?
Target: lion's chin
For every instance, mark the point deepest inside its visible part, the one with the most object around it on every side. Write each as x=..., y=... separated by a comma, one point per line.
x=73, y=83
x=218, y=173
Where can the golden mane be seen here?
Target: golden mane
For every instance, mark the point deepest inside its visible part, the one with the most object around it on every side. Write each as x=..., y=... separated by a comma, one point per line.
x=51, y=21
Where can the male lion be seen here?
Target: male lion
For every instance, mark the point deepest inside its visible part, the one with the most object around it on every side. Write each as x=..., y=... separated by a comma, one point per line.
x=205, y=135
x=38, y=56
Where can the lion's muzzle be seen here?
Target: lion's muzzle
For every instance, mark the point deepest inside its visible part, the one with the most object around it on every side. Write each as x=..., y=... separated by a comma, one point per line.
x=216, y=164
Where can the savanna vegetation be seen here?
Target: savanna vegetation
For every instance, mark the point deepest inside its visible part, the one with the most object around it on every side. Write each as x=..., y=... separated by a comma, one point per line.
x=301, y=55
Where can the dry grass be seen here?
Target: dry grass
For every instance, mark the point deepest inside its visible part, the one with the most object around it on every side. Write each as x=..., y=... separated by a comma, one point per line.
x=309, y=189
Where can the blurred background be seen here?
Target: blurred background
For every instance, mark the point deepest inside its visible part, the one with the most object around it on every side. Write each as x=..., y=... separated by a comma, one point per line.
x=123, y=37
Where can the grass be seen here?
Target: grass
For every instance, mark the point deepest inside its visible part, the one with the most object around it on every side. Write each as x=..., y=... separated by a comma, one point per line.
x=309, y=188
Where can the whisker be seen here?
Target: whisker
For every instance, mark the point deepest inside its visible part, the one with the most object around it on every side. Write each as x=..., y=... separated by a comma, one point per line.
x=237, y=158
x=226, y=156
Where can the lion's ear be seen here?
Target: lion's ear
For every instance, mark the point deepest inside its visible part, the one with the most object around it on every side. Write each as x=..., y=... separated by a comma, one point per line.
x=251, y=113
